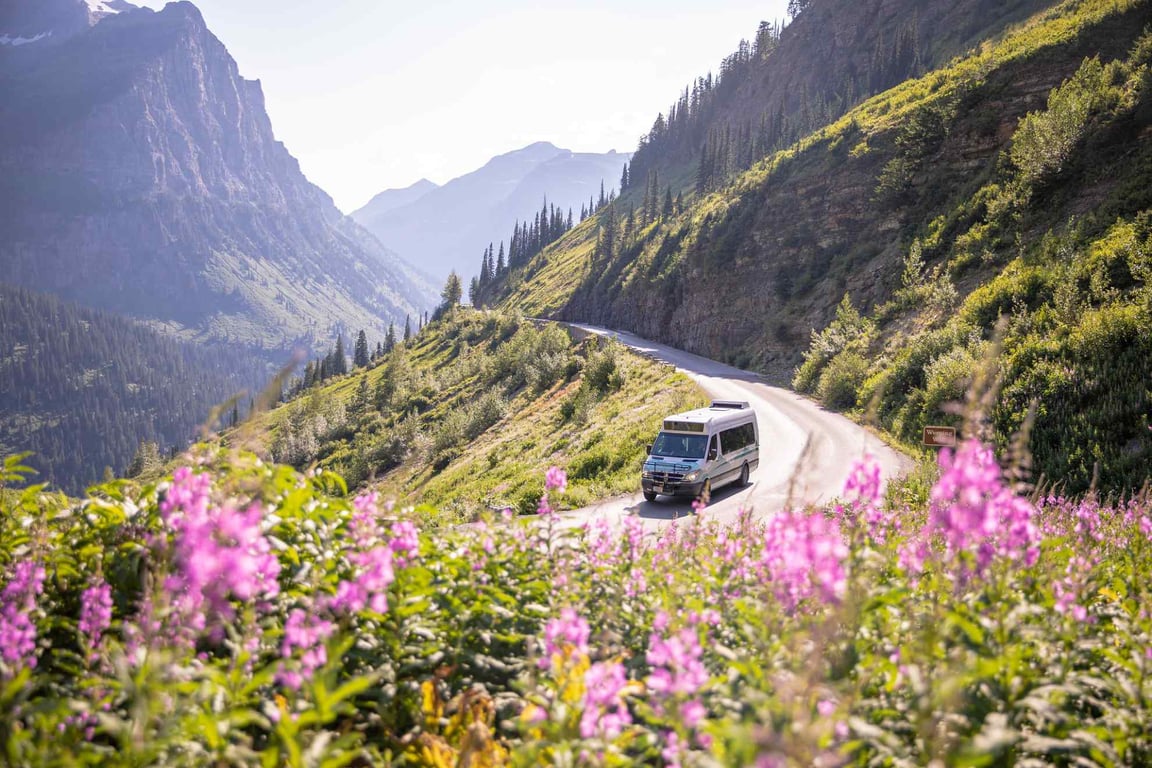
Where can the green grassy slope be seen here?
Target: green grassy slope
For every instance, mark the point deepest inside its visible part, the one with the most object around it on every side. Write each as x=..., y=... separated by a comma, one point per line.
x=471, y=412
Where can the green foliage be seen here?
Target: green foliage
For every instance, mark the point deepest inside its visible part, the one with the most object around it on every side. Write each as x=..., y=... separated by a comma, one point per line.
x=883, y=641
x=466, y=413
x=840, y=380
x=849, y=330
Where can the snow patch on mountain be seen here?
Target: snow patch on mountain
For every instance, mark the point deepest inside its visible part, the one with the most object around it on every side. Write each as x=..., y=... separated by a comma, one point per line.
x=9, y=40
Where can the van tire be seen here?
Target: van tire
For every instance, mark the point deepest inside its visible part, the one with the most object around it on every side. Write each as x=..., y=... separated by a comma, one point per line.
x=744, y=475
x=649, y=496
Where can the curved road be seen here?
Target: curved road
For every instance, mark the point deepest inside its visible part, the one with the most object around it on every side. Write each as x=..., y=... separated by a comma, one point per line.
x=805, y=451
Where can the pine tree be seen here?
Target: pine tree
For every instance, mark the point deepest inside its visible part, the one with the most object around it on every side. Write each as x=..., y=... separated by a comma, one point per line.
x=407, y=327
x=449, y=296
x=360, y=400
x=390, y=338
x=339, y=361
x=501, y=267
x=474, y=292
x=360, y=355
x=667, y=212
x=624, y=178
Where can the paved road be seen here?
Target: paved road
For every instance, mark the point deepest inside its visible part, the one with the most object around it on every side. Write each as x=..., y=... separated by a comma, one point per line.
x=805, y=451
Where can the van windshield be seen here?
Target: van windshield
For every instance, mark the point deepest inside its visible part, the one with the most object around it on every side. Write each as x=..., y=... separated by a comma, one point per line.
x=681, y=446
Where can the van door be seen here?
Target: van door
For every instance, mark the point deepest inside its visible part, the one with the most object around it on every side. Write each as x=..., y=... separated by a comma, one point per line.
x=725, y=469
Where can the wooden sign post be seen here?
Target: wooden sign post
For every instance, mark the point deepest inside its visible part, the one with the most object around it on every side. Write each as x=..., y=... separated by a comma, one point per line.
x=940, y=437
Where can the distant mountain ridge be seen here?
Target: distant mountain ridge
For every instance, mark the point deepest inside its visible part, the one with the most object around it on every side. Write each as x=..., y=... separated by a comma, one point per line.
x=390, y=199
x=448, y=228
x=141, y=176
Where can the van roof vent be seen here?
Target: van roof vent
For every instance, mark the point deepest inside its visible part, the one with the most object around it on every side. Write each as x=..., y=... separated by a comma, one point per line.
x=737, y=405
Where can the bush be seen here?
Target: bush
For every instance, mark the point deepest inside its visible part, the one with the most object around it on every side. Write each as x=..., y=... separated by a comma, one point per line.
x=841, y=380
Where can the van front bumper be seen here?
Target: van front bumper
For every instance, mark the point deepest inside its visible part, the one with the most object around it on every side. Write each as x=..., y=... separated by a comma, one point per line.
x=672, y=489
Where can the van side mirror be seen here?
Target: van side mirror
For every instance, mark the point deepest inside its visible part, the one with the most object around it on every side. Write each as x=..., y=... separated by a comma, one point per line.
x=711, y=454
x=648, y=449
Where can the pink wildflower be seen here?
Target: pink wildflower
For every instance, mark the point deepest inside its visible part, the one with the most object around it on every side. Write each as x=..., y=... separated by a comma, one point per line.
x=556, y=479
x=677, y=669
x=803, y=556
x=605, y=713
x=369, y=588
x=566, y=634
x=305, y=633
x=218, y=553
x=17, y=602
x=95, y=613
x=974, y=510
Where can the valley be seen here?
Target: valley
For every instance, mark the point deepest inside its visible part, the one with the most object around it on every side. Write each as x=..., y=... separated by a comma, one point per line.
x=311, y=489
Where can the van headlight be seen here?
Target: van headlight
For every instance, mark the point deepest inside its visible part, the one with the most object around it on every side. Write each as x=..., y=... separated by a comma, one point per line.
x=692, y=477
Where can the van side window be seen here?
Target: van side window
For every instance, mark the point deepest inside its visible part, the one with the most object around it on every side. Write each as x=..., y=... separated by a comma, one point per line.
x=712, y=447
x=738, y=437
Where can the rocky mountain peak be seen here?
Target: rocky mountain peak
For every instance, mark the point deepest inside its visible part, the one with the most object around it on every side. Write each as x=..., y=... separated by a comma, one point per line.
x=47, y=22
x=142, y=176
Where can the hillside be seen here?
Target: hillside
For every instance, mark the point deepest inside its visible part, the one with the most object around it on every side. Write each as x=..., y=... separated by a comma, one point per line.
x=785, y=82
x=141, y=175
x=447, y=228
x=470, y=413
x=945, y=166
x=82, y=388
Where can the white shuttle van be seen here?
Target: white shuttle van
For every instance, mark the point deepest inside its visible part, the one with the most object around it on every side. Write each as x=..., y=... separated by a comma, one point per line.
x=700, y=450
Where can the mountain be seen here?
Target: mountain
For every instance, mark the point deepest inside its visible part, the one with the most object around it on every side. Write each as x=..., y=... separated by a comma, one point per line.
x=787, y=82
x=391, y=199
x=874, y=257
x=448, y=228
x=141, y=176
x=82, y=389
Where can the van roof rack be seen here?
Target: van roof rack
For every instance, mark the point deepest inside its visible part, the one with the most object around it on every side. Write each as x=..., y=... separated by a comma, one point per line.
x=737, y=405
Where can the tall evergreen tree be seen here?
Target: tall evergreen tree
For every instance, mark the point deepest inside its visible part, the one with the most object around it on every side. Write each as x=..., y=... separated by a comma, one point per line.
x=360, y=357
x=339, y=361
x=407, y=327
x=390, y=337
x=500, y=265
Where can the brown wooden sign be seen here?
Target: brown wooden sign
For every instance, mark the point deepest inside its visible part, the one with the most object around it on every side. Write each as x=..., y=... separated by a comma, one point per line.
x=940, y=437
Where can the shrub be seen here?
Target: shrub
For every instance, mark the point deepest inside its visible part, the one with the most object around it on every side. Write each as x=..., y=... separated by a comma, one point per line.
x=841, y=380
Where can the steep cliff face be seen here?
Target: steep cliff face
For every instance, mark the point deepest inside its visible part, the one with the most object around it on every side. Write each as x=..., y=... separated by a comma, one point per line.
x=745, y=274
x=785, y=83
x=141, y=175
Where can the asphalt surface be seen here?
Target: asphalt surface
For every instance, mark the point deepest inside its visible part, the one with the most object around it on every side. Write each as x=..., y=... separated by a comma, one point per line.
x=806, y=452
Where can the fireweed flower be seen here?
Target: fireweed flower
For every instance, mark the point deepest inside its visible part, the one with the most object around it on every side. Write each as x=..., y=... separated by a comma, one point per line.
x=677, y=673
x=803, y=556
x=17, y=602
x=305, y=633
x=564, y=636
x=95, y=613
x=217, y=554
x=405, y=542
x=369, y=588
x=556, y=479
x=363, y=528
x=974, y=510
x=605, y=713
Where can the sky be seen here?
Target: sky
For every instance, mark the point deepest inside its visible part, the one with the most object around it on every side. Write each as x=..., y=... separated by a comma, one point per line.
x=376, y=94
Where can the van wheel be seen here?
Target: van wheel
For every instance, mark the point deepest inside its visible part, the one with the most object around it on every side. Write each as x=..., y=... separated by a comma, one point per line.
x=706, y=492
x=649, y=496
x=743, y=475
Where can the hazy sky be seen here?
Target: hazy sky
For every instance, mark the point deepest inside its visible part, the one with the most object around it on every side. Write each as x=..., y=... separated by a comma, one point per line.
x=372, y=94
